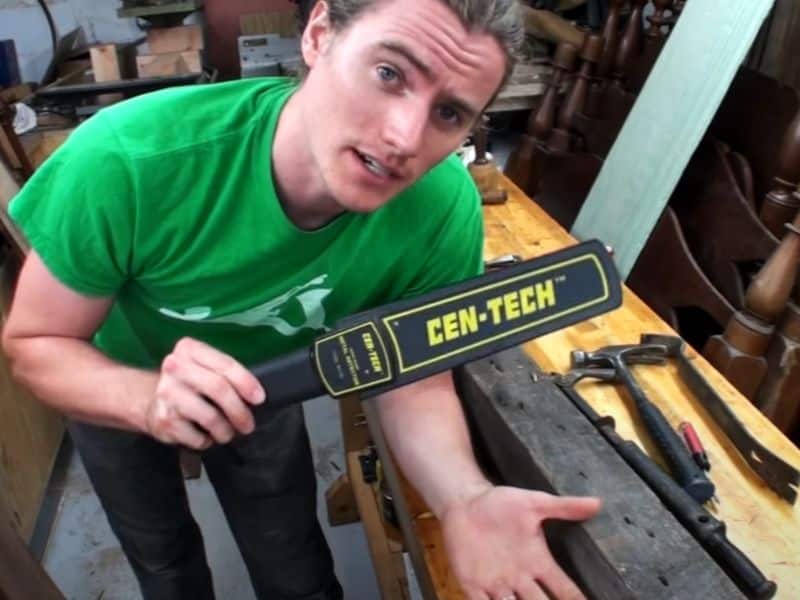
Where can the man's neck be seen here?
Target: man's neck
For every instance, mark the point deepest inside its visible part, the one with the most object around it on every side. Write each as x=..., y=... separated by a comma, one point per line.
x=298, y=183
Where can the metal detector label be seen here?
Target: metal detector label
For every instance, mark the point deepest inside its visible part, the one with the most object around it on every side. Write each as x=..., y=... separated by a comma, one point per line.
x=352, y=360
x=428, y=334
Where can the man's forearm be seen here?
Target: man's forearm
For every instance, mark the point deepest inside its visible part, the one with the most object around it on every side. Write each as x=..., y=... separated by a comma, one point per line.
x=76, y=379
x=427, y=433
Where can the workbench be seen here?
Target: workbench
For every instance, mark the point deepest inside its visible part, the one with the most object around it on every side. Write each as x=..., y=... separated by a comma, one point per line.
x=761, y=524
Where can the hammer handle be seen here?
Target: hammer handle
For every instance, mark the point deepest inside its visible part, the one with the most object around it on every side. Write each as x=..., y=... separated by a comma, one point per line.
x=686, y=472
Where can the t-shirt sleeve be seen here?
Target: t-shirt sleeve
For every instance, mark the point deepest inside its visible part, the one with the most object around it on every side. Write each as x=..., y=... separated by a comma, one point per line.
x=456, y=251
x=78, y=209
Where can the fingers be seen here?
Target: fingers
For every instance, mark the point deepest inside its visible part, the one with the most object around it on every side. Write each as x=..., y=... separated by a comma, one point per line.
x=530, y=590
x=213, y=386
x=218, y=377
x=526, y=589
x=198, y=410
x=567, y=508
x=167, y=426
x=202, y=396
x=188, y=435
x=244, y=383
x=558, y=584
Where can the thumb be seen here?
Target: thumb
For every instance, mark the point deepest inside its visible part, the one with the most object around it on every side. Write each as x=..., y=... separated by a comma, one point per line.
x=568, y=508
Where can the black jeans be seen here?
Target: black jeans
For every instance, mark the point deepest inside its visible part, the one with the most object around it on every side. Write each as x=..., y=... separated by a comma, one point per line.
x=266, y=485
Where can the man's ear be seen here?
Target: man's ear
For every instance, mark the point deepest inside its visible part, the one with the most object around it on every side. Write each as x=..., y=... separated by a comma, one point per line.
x=317, y=34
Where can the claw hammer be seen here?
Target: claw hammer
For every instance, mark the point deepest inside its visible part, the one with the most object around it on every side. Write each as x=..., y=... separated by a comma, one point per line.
x=686, y=472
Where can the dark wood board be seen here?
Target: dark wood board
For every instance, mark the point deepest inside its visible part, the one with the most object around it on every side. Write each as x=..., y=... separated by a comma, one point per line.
x=535, y=438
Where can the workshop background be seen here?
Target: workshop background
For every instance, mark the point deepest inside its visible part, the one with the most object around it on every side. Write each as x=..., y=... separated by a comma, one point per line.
x=73, y=539
x=77, y=56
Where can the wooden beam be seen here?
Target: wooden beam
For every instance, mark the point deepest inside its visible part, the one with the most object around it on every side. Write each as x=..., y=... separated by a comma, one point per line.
x=389, y=567
x=411, y=519
x=670, y=116
x=175, y=39
x=21, y=575
x=341, y=502
x=9, y=189
x=169, y=63
x=105, y=62
x=106, y=67
x=533, y=437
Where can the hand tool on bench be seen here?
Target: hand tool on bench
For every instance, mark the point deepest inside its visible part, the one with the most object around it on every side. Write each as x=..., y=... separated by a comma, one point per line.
x=501, y=262
x=396, y=344
x=777, y=474
x=694, y=445
x=686, y=472
x=707, y=530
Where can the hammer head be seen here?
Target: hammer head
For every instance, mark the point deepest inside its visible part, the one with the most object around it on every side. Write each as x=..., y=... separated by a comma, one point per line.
x=611, y=356
x=672, y=343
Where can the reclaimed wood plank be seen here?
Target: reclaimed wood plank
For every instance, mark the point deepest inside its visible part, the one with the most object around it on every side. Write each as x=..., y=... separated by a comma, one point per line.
x=536, y=439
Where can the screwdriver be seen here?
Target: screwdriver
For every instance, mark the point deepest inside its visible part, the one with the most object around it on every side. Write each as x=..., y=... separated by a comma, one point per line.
x=695, y=445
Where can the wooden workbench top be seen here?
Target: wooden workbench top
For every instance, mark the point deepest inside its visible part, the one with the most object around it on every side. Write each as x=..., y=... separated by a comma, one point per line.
x=760, y=523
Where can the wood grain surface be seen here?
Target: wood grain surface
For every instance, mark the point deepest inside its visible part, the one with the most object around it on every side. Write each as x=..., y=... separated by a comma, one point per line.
x=759, y=522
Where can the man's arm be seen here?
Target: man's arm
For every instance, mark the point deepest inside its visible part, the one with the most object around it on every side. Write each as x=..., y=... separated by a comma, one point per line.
x=493, y=535
x=198, y=397
x=425, y=427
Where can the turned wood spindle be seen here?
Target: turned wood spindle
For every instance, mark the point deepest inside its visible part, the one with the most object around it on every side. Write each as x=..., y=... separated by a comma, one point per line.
x=782, y=202
x=561, y=137
x=658, y=19
x=521, y=166
x=483, y=170
x=610, y=36
x=630, y=44
x=653, y=41
x=739, y=352
x=544, y=118
x=779, y=396
x=610, y=42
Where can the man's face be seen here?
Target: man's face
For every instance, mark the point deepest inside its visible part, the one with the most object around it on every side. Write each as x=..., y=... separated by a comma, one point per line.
x=391, y=96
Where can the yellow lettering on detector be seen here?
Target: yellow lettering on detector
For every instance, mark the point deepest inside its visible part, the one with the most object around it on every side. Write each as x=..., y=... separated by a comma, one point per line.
x=435, y=336
x=494, y=305
x=511, y=304
x=526, y=296
x=369, y=344
x=374, y=358
x=545, y=294
x=468, y=320
x=450, y=324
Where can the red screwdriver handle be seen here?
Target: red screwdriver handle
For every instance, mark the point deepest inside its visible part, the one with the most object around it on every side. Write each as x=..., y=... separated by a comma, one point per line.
x=695, y=445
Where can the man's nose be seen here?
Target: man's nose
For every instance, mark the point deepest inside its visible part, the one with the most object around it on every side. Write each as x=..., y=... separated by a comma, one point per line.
x=404, y=127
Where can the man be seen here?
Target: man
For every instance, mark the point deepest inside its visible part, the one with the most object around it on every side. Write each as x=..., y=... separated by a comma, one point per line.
x=184, y=234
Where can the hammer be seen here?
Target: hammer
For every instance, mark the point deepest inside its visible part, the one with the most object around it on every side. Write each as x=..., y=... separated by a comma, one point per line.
x=686, y=472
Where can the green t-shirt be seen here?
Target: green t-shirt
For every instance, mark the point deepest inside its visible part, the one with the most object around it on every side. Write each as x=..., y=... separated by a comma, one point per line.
x=167, y=203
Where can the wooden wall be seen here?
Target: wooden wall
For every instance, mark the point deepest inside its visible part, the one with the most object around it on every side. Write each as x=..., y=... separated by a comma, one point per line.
x=30, y=434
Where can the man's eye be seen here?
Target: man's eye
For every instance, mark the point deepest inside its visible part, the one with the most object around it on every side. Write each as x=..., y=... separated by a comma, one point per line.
x=448, y=114
x=388, y=74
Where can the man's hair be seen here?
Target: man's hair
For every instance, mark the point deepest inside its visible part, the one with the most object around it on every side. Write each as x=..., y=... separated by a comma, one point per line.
x=499, y=18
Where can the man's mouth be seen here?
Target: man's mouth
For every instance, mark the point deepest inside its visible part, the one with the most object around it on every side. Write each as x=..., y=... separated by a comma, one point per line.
x=375, y=166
